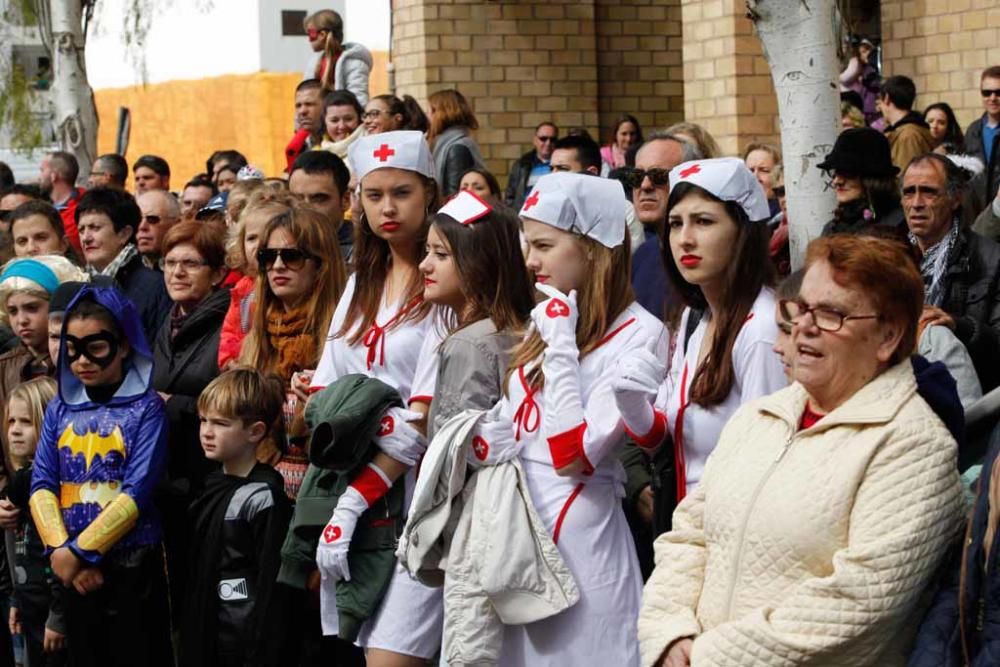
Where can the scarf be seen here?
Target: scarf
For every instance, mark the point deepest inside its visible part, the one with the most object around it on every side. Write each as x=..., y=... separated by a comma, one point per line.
x=935, y=263
x=111, y=270
x=295, y=348
x=177, y=320
x=340, y=148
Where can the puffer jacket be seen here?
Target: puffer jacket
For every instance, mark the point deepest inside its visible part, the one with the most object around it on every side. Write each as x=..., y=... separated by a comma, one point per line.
x=352, y=71
x=809, y=546
x=972, y=298
x=502, y=565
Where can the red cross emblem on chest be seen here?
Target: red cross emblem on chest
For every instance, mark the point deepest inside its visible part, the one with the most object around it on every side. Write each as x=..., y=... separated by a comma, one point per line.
x=383, y=153
x=690, y=171
x=531, y=201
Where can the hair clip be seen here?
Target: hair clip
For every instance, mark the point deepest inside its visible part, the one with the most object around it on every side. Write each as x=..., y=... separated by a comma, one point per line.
x=466, y=208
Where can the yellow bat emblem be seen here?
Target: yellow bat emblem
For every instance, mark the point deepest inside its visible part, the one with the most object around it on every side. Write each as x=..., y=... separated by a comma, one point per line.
x=92, y=444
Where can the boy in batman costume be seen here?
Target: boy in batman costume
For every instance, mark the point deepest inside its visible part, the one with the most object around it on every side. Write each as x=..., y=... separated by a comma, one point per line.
x=101, y=451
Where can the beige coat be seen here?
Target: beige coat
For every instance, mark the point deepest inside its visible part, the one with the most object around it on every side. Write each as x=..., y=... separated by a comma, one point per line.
x=809, y=547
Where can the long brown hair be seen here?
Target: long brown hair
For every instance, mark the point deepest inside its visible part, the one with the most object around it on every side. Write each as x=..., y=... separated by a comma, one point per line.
x=601, y=299
x=313, y=234
x=491, y=268
x=749, y=270
x=371, y=269
x=449, y=108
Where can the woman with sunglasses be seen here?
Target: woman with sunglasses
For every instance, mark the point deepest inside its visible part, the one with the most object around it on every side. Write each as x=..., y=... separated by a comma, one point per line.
x=300, y=277
x=715, y=254
x=864, y=180
x=557, y=415
x=384, y=328
x=826, y=508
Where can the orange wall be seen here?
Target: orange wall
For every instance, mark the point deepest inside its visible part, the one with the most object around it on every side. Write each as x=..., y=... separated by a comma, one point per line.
x=185, y=121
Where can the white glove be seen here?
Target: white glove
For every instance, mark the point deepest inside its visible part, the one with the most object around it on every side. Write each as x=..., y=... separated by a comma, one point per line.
x=492, y=440
x=639, y=375
x=398, y=439
x=335, y=540
x=555, y=317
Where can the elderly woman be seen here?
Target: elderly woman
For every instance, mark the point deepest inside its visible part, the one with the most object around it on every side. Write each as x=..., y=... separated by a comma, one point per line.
x=826, y=507
x=184, y=354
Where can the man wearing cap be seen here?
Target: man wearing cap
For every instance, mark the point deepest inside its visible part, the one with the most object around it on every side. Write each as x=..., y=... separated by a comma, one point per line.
x=908, y=133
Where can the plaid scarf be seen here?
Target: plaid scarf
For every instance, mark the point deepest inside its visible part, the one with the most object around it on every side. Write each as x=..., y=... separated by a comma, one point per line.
x=112, y=269
x=934, y=265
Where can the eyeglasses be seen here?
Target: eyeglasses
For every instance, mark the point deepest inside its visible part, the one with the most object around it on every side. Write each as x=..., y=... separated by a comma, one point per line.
x=292, y=258
x=635, y=177
x=826, y=319
x=313, y=33
x=372, y=115
x=546, y=139
x=990, y=93
x=779, y=190
x=171, y=265
x=930, y=194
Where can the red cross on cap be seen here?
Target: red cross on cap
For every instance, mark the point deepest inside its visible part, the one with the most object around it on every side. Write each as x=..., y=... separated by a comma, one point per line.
x=383, y=153
x=690, y=171
x=531, y=201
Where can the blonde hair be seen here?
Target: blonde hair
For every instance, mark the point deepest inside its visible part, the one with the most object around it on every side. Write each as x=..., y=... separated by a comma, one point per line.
x=705, y=142
x=246, y=394
x=601, y=298
x=64, y=270
x=36, y=394
x=266, y=199
x=770, y=149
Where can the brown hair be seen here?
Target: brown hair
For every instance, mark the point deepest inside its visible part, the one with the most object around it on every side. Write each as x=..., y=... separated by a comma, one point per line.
x=884, y=270
x=313, y=234
x=991, y=73
x=705, y=142
x=601, y=299
x=490, y=264
x=371, y=268
x=208, y=238
x=246, y=394
x=770, y=149
x=749, y=270
x=449, y=108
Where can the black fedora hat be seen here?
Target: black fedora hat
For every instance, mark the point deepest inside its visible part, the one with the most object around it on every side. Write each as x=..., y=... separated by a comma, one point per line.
x=861, y=151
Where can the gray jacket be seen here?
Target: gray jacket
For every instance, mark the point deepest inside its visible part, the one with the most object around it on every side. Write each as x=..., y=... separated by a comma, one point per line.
x=354, y=66
x=454, y=153
x=938, y=343
x=480, y=536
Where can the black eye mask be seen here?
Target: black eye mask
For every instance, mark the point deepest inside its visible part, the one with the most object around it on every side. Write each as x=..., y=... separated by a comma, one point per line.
x=81, y=348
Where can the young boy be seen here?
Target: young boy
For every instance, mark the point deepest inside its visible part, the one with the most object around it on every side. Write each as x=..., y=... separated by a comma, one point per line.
x=101, y=451
x=235, y=609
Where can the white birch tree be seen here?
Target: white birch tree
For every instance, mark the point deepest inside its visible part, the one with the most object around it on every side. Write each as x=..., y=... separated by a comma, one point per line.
x=799, y=38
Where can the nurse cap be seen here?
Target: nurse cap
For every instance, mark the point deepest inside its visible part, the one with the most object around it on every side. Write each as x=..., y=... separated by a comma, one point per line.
x=465, y=208
x=580, y=203
x=728, y=179
x=405, y=149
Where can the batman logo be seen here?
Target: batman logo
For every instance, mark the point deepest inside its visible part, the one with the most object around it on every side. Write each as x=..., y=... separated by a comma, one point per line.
x=92, y=444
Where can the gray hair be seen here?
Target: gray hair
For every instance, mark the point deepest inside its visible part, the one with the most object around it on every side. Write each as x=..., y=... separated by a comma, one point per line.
x=956, y=177
x=689, y=151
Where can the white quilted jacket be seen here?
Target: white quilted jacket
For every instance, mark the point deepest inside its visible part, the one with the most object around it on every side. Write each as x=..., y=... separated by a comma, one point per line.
x=811, y=547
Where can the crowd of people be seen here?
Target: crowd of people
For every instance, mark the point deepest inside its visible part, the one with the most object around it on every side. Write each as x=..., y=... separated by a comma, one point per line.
x=380, y=410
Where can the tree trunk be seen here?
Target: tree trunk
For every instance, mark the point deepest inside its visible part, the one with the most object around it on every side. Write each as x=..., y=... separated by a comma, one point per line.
x=800, y=45
x=72, y=99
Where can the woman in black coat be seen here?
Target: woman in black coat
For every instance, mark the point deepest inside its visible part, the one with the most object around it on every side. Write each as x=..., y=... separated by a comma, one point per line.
x=185, y=357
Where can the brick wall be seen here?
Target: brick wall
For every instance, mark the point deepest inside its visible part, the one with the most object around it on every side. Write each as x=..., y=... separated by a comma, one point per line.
x=943, y=47
x=727, y=83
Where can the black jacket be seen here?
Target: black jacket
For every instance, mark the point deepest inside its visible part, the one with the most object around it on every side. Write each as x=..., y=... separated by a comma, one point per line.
x=183, y=367
x=147, y=292
x=974, y=602
x=517, y=180
x=850, y=218
x=972, y=298
x=984, y=186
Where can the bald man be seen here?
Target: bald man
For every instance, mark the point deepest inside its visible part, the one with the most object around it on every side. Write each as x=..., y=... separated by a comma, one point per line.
x=160, y=212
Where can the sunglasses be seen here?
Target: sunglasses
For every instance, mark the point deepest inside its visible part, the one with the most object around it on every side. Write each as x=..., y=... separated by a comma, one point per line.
x=152, y=219
x=635, y=177
x=546, y=139
x=292, y=258
x=990, y=93
x=313, y=33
